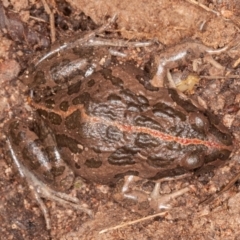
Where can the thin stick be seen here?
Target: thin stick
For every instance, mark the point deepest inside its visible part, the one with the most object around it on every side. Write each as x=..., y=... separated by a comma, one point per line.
x=221, y=77
x=236, y=63
x=230, y=184
x=132, y=222
x=37, y=19
x=52, y=20
x=227, y=187
x=77, y=42
x=203, y=6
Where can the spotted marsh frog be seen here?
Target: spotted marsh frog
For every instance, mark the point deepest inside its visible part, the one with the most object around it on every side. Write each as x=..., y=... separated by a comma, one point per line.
x=103, y=121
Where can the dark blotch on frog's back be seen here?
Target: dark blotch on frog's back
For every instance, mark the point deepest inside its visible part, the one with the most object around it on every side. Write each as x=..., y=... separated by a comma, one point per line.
x=144, y=140
x=114, y=98
x=161, y=109
x=82, y=98
x=116, y=81
x=96, y=149
x=142, y=100
x=54, y=118
x=72, y=121
x=113, y=134
x=107, y=133
x=123, y=156
x=72, y=144
x=159, y=162
x=131, y=98
x=49, y=103
x=148, y=122
x=42, y=113
x=92, y=163
x=132, y=107
x=74, y=88
x=91, y=83
x=104, y=110
x=64, y=105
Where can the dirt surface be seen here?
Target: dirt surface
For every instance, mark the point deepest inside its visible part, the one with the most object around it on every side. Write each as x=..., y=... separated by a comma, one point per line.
x=26, y=31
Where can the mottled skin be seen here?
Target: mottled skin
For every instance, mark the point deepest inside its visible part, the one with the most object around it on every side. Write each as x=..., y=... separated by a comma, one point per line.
x=108, y=125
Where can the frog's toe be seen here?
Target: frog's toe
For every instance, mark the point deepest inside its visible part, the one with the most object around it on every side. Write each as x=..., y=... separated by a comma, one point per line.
x=41, y=190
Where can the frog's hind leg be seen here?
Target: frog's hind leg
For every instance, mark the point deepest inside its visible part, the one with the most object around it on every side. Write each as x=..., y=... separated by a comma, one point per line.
x=35, y=149
x=41, y=190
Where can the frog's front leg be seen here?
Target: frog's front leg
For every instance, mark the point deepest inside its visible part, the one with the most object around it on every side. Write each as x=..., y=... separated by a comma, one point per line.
x=41, y=166
x=176, y=56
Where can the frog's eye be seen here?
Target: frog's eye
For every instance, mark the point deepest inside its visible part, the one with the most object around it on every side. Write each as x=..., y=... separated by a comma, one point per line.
x=192, y=160
x=199, y=122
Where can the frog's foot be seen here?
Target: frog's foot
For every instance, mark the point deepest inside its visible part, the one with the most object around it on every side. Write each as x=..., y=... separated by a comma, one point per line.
x=160, y=202
x=41, y=190
x=156, y=200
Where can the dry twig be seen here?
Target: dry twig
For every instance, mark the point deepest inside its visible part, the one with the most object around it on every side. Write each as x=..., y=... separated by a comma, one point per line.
x=133, y=222
x=52, y=21
x=204, y=7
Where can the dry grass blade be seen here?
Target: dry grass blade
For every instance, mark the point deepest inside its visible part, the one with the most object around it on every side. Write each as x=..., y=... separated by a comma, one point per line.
x=52, y=21
x=203, y=6
x=133, y=222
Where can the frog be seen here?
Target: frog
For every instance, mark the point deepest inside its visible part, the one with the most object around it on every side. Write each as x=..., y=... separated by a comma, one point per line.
x=104, y=120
